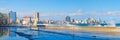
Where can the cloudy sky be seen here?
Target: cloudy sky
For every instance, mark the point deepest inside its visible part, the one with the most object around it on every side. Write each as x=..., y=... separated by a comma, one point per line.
x=108, y=10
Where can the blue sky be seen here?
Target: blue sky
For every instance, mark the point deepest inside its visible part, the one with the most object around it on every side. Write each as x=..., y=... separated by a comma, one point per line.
x=108, y=10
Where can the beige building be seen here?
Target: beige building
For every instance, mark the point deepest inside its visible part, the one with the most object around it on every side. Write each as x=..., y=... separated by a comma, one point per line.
x=35, y=18
x=18, y=21
x=26, y=20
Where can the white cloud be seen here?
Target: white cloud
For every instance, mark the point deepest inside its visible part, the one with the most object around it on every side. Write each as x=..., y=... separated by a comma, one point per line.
x=105, y=13
x=77, y=13
x=60, y=14
x=114, y=13
x=3, y=9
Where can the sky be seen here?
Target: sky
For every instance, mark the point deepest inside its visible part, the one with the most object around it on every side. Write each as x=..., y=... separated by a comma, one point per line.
x=107, y=10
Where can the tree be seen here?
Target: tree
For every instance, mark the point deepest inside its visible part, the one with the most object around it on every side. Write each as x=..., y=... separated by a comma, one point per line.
x=1, y=18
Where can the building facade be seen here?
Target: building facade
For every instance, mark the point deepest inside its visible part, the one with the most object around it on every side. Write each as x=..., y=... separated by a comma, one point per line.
x=26, y=20
x=35, y=18
x=68, y=19
x=12, y=17
x=5, y=18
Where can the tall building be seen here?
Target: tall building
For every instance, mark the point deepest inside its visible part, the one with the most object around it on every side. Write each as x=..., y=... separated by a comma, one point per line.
x=12, y=17
x=68, y=19
x=36, y=18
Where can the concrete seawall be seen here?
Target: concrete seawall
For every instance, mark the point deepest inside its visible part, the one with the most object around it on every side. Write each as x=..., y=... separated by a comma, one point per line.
x=113, y=30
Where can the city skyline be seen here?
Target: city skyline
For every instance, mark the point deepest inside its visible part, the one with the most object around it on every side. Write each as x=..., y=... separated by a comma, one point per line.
x=107, y=10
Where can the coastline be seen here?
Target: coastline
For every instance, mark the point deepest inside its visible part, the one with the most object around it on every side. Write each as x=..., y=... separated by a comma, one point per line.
x=108, y=30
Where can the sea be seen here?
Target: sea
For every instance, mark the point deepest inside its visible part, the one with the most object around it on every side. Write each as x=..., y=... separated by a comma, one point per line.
x=28, y=33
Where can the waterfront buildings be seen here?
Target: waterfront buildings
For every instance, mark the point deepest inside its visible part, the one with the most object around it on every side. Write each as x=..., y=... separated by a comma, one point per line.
x=68, y=19
x=18, y=21
x=73, y=21
x=47, y=21
x=12, y=17
x=98, y=21
x=35, y=18
x=61, y=22
x=5, y=19
x=90, y=20
x=26, y=20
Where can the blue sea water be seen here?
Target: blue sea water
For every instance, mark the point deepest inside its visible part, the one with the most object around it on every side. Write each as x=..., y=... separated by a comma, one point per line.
x=23, y=33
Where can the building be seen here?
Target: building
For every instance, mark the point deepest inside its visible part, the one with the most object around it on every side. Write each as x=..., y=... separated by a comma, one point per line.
x=73, y=21
x=47, y=21
x=68, y=19
x=26, y=20
x=18, y=21
x=12, y=17
x=98, y=21
x=91, y=20
x=5, y=19
x=36, y=18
